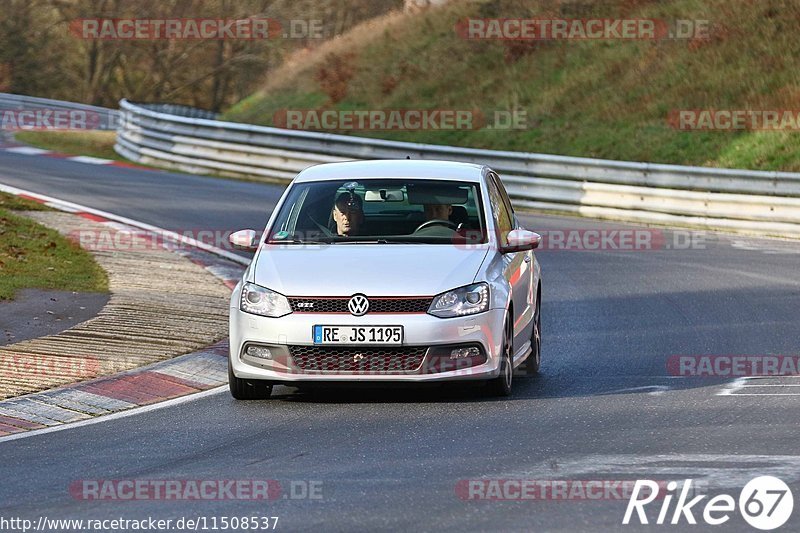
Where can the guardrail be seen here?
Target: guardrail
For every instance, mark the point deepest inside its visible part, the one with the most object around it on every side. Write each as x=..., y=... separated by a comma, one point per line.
x=100, y=118
x=756, y=202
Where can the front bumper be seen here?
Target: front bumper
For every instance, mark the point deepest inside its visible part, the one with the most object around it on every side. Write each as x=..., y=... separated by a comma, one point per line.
x=420, y=330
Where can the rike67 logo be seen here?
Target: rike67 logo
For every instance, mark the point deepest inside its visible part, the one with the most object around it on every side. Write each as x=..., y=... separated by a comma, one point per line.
x=765, y=503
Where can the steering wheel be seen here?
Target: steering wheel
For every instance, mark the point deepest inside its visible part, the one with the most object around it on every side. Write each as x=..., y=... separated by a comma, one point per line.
x=436, y=222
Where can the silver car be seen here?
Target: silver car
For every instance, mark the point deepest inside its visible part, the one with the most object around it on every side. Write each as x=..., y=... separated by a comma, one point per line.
x=387, y=271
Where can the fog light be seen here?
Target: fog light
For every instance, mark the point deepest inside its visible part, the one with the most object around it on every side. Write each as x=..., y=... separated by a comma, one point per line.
x=461, y=353
x=259, y=352
x=454, y=357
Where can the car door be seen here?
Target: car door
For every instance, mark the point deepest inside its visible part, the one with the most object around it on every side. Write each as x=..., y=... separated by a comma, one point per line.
x=517, y=265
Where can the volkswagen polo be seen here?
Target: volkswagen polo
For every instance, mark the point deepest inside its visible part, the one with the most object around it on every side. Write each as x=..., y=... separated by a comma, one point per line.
x=404, y=271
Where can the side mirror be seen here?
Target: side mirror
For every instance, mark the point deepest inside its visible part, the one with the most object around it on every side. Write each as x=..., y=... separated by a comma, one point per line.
x=520, y=240
x=244, y=239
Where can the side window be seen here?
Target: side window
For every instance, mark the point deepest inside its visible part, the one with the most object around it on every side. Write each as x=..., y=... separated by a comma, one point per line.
x=503, y=221
x=504, y=193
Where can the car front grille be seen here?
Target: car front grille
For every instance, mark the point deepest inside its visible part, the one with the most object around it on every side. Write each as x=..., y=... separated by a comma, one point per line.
x=358, y=360
x=378, y=304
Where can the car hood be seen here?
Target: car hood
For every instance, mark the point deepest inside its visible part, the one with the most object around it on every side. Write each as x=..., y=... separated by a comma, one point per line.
x=372, y=269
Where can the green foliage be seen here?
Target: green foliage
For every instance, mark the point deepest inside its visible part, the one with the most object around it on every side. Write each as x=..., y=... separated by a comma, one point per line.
x=42, y=52
x=607, y=99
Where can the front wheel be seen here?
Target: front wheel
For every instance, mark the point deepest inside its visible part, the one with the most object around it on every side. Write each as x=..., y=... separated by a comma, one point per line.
x=501, y=385
x=247, y=389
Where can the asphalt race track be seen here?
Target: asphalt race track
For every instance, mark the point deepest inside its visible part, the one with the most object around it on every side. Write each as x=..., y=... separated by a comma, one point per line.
x=604, y=407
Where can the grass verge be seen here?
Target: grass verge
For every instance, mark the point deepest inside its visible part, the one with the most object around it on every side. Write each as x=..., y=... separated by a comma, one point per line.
x=33, y=256
x=91, y=143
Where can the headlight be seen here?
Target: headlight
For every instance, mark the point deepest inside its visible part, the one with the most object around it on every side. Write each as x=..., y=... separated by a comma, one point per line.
x=461, y=302
x=260, y=301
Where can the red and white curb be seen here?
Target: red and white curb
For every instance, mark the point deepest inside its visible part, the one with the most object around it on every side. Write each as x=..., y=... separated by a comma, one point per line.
x=186, y=374
x=32, y=150
x=174, y=378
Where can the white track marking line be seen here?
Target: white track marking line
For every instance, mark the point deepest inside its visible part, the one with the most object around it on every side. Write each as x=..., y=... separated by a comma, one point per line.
x=117, y=415
x=740, y=385
x=154, y=229
x=731, y=388
x=767, y=394
x=778, y=385
x=27, y=150
x=90, y=160
x=654, y=390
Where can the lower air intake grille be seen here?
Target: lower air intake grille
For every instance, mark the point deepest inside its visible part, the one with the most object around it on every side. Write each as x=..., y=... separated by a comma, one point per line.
x=354, y=360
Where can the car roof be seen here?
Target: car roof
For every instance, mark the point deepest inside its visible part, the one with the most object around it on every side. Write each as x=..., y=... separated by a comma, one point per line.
x=393, y=168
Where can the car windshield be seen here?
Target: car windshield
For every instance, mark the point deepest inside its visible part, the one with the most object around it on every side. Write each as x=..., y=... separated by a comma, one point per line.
x=380, y=211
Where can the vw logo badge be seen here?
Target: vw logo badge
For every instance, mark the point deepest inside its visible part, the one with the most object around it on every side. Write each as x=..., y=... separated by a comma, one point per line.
x=358, y=305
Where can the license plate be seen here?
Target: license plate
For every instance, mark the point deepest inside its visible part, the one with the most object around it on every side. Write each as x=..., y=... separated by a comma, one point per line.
x=358, y=334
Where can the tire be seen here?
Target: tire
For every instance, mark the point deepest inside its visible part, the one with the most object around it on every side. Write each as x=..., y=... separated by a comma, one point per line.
x=501, y=385
x=530, y=366
x=247, y=389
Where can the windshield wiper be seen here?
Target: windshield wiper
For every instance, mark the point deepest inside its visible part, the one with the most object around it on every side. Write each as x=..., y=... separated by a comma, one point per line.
x=345, y=240
x=396, y=241
x=355, y=241
x=300, y=241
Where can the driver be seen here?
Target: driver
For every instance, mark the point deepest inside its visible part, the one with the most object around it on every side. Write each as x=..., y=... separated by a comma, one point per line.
x=438, y=211
x=348, y=213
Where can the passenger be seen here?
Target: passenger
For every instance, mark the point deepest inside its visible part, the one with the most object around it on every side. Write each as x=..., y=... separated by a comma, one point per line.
x=438, y=211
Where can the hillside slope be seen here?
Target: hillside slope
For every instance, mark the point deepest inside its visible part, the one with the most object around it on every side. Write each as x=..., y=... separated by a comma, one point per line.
x=598, y=98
